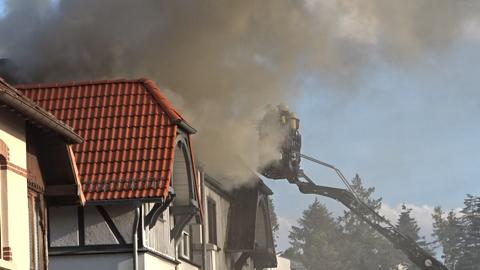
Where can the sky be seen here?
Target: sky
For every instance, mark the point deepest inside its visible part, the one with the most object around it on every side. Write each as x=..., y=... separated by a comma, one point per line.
x=411, y=131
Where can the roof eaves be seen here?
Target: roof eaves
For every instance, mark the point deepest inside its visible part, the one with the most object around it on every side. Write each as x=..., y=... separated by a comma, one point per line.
x=217, y=186
x=78, y=183
x=186, y=126
x=264, y=188
x=13, y=98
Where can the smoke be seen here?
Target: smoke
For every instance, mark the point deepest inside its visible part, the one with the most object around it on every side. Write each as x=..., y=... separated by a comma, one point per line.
x=223, y=61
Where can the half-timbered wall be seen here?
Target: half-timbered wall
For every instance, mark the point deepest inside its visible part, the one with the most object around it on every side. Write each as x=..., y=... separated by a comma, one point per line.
x=90, y=226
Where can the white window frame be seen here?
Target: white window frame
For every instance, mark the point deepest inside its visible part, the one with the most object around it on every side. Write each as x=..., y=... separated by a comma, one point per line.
x=184, y=247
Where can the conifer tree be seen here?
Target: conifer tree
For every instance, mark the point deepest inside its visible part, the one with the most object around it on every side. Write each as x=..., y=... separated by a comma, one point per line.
x=470, y=259
x=316, y=242
x=367, y=249
x=408, y=226
x=448, y=233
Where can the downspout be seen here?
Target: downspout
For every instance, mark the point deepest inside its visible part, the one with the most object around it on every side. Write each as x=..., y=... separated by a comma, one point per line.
x=135, y=236
x=204, y=229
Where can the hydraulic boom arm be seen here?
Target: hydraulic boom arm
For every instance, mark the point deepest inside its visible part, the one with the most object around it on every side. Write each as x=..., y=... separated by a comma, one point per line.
x=282, y=122
x=415, y=253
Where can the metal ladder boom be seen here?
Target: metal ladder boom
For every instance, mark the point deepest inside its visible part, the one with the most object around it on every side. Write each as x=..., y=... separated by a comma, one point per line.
x=350, y=199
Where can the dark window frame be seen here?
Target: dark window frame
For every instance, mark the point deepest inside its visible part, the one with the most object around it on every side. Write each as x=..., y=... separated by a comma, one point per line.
x=212, y=221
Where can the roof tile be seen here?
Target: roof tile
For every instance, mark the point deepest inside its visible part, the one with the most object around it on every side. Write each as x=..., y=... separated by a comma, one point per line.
x=129, y=130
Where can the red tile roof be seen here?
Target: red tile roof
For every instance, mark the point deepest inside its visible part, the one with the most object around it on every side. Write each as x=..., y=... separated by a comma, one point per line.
x=129, y=129
x=16, y=100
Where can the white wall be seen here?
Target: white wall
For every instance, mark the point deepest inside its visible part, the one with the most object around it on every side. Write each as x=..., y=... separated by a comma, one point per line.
x=121, y=261
x=18, y=230
x=151, y=262
x=283, y=264
x=158, y=237
x=12, y=132
x=187, y=266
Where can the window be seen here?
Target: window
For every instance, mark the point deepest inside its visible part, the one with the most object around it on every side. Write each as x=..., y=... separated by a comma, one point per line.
x=184, y=247
x=212, y=221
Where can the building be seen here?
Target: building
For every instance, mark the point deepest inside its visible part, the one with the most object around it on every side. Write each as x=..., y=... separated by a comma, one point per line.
x=142, y=192
x=239, y=232
x=135, y=159
x=36, y=161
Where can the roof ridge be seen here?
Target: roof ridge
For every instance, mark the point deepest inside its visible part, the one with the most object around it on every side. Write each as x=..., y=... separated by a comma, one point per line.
x=77, y=83
x=149, y=85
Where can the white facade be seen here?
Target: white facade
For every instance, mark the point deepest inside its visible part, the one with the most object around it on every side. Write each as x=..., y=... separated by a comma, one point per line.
x=157, y=248
x=14, y=220
x=217, y=258
x=101, y=234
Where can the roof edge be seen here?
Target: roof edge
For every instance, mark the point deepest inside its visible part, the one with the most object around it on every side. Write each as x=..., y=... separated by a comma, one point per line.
x=165, y=103
x=37, y=114
x=186, y=126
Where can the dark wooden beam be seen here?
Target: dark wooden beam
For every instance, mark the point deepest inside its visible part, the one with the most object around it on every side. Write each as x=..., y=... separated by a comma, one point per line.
x=60, y=190
x=181, y=210
x=158, y=209
x=81, y=226
x=240, y=262
x=111, y=225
